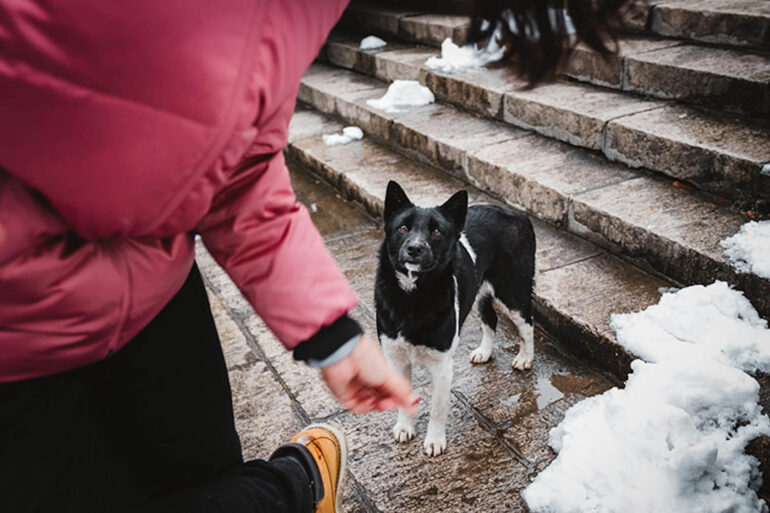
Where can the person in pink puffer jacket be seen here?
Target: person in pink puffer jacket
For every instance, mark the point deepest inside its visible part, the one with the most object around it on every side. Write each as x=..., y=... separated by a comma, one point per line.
x=125, y=130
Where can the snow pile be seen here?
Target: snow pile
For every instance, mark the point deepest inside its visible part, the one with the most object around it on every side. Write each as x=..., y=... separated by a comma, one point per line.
x=674, y=438
x=749, y=249
x=715, y=322
x=349, y=133
x=459, y=58
x=403, y=93
x=469, y=57
x=372, y=43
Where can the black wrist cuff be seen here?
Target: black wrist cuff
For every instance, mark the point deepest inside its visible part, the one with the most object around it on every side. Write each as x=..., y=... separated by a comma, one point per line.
x=328, y=339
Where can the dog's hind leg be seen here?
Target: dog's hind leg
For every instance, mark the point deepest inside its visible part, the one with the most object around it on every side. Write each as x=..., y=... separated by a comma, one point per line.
x=526, y=329
x=398, y=353
x=441, y=374
x=488, y=326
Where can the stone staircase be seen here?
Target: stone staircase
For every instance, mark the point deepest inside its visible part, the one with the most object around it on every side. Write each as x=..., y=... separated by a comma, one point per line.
x=624, y=184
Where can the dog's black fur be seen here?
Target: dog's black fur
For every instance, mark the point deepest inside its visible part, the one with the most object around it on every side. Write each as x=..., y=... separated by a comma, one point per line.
x=502, y=240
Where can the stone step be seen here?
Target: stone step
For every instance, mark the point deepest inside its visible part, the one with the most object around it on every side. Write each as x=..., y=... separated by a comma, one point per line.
x=718, y=153
x=579, y=284
x=729, y=79
x=671, y=230
x=742, y=23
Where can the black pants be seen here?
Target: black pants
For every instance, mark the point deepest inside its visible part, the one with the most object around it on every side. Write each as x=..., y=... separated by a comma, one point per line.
x=148, y=429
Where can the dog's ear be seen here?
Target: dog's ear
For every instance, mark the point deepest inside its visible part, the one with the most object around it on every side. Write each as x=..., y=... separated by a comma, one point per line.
x=455, y=209
x=395, y=201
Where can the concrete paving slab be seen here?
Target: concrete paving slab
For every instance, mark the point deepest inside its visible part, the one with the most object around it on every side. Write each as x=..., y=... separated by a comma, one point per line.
x=570, y=112
x=475, y=474
x=378, y=20
x=557, y=248
x=264, y=416
x=307, y=123
x=598, y=287
x=238, y=354
x=403, y=63
x=587, y=65
x=432, y=29
x=503, y=395
x=655, y=221
x=717, y=153
x=319, y=78
x=540, y=174
x=729, y=79
x=332, y=216
x=734, y=22
x=344, y=52
x=445, y=135
x=480, y=91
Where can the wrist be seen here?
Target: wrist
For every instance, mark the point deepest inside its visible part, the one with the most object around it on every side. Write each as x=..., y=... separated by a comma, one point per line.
x=340, y=354
x=345, y=331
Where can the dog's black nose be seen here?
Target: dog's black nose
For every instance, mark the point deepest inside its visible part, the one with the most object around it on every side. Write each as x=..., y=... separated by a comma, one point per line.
x=415, y=250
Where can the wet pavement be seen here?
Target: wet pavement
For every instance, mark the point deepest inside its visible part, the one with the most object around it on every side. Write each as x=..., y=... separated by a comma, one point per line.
x=499, y=418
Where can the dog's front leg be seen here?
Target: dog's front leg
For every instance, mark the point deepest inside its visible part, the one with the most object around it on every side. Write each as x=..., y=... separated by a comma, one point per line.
x=441, y=374
x=398, y=353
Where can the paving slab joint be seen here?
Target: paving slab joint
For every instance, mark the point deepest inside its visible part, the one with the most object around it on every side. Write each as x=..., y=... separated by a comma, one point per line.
x=491, y=428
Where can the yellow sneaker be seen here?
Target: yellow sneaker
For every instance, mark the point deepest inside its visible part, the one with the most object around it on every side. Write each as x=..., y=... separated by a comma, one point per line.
x=329, y=448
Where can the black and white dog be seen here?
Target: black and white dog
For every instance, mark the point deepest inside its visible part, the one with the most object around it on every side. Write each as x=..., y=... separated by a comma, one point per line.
x=433, y=264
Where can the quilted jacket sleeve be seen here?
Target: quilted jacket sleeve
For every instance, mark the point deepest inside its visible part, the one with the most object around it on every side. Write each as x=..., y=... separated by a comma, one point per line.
x=265, y=240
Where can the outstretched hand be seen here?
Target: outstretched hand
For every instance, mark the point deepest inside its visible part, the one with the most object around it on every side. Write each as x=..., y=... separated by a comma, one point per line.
x=364, y=381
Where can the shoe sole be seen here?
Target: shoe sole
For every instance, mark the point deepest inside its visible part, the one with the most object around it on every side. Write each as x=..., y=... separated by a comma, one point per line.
x=340, y=436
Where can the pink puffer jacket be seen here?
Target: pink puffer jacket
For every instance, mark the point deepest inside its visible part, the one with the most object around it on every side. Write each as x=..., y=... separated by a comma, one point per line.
x=126, y=128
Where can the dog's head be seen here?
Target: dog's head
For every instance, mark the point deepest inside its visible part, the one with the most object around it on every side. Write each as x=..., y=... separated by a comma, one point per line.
x=419, y=240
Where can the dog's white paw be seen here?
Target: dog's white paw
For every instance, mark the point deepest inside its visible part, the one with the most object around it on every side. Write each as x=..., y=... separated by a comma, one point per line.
x=434, y=444
x=481, y=355
x=403, y=432
x=523, y=361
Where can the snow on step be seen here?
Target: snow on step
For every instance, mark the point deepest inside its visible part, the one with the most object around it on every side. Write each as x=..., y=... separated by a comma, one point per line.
x=349, y=133
x=674, y=438
x=403, y=93
x=371, y=43
x=749, y=249
x=459, y=58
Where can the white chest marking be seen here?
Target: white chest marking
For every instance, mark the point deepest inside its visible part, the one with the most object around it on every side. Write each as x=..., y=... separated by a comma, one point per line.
x=467, y=245
x=407, y=282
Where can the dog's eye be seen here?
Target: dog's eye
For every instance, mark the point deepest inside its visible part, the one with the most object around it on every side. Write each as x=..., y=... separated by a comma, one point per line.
x=404, y=228
x=436, y=232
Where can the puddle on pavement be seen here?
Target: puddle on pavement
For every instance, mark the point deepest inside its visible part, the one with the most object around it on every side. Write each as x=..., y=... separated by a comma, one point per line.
x=331, y=214
x=549, y=389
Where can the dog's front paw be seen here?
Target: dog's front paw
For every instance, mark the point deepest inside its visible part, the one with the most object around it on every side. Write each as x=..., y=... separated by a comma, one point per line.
x=523, y=360
x=403, y=432
x=434, y=444
x=481, y=355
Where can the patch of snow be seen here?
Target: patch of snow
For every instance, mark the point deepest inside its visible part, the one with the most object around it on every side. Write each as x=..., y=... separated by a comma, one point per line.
x=674, y=438
x=460, y=58
x=766, y=169
x=749, y=249
x=403, y=93
x=714, y=321
x=372, y=43
x=349, y=133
